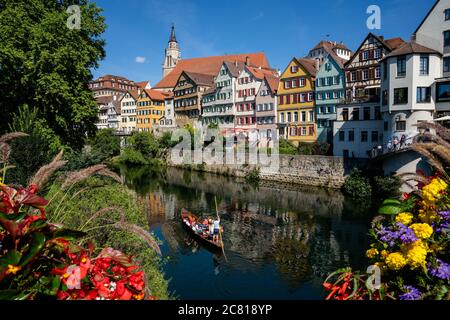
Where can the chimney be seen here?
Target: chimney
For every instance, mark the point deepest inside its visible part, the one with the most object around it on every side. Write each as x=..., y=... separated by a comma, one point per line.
x=114, y=97
x=139, y=90
x=247, y=61
x=317, y=64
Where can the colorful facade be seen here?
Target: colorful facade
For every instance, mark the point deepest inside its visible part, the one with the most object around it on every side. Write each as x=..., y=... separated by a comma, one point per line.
x=150, y=109
x=296, y=106
x=188, y=94
x=330, y=91
x=128, y=103
x=266, y=110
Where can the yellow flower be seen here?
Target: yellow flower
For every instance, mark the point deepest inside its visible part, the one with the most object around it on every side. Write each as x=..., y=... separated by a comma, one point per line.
x=1, y=184
x=13, y=269
x=372, y=253
x=384, y=254
x=432, y=192
x=395, y=261
x=422, y=230
x=405, y=218
x=417, y=254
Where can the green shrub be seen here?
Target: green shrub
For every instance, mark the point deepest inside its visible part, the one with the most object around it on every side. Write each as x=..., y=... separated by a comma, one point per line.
x=386, y=187
x=357, y=186
x=253, y=177
x=132, y=156
x=287, y=147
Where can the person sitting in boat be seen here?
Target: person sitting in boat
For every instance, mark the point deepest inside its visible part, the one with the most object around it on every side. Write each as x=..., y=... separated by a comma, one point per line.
x=216, y=224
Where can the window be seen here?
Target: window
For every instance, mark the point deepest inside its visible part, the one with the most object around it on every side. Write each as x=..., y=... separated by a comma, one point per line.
x=424, y=65
x=443, y=92
x=423, y=94
x=377, y=113
x=303, y=116
x=353, y=76
x=351, y=136
x=447, y=64
x=294, y=83
x=366, y=113
x=446, y=38
x=400, y=125
x=401, y=96
x=377, y=54
x=342, y=136
x=345, y=114
x=295, y=116
x=355, y=114
x=364, y=136
x=374, y=136
x=281, y=117
x=289, y=117
x=401, y=66
x=365, y=55
x=385, y=126
x=311, y=116
x=365, y=74
x=311, y=131
x=294, y=69
x=447, y=14
x=377, y=73
x=287, y=84
x=302, y=82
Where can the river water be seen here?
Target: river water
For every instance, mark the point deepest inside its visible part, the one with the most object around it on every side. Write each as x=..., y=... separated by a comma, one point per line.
x=279, y=243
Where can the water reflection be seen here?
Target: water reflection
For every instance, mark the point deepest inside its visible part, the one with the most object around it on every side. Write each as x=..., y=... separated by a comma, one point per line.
x=279, y=244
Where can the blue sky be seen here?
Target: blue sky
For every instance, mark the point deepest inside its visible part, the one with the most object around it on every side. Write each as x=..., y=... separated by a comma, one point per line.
x=138, y=30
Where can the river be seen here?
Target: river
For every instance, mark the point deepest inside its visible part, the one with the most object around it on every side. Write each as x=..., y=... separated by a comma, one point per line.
x=279, y=243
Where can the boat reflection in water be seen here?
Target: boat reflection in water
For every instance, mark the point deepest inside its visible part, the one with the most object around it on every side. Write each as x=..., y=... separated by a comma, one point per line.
x=279, y=244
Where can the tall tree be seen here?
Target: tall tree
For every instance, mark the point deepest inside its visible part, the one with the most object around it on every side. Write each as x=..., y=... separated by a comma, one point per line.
x=47, y=65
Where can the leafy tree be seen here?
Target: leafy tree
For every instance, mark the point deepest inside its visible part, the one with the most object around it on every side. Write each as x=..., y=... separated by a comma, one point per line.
x=28, y=154
x=357, y=186
x=105, y=143
x=47, y=65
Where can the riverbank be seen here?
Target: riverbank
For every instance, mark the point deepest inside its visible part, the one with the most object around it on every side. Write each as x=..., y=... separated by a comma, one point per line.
x=315, y=171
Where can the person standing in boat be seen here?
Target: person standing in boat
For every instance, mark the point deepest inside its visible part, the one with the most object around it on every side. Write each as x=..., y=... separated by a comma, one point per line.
x=216, y=229
x=211, y=228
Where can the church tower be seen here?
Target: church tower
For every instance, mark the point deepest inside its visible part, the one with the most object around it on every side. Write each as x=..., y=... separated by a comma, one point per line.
x=172, y=54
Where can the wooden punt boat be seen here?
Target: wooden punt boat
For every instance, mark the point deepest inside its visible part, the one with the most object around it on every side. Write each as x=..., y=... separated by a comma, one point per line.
x=185, y=215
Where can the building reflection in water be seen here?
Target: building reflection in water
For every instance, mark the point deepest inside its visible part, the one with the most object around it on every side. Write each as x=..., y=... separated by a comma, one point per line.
x=304, y=233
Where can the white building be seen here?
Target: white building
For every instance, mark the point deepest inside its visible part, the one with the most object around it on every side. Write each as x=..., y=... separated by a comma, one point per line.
x=108, y=112
x=128, y=115
x=357, y=130
x=408, y=77
x=434, y=33
x=168, y=120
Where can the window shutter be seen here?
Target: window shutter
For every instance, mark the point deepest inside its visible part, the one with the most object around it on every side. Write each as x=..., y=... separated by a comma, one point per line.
x=371, y=54
x=372, y=73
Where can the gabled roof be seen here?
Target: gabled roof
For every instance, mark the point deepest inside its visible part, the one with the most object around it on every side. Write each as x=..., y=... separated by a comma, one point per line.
x=143, y=84
x=339, y=61
x=210, y=66
x=272, y=82
x=390, y=44
x=133, y=93
x=234, y=67
x=330, y=45
x=410, y=48
x=199, y=78
x=156, y=95
x=426, y=17
x=309, y=65
x=260, y=73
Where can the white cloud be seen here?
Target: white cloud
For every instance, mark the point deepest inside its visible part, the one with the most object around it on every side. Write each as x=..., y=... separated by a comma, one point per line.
x=140, y=59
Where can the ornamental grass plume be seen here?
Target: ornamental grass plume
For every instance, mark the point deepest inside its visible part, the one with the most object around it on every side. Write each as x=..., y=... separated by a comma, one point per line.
x=140, y=232
x=83, y=174
x=42, y=176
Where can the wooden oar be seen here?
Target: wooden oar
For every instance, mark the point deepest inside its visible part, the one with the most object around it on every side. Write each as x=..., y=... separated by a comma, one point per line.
x=220, y=230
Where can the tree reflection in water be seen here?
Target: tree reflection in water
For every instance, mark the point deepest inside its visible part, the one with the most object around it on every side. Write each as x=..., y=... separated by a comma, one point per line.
x=282, y=239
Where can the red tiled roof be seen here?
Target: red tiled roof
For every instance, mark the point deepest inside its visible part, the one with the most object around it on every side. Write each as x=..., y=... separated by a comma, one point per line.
x=201, y=78
x=210, y=66
x=309, y=65
x=394, y=43
x=142, y=84
x=259, y=73
x=409, y=48
x=273, y=82
x=156, y=95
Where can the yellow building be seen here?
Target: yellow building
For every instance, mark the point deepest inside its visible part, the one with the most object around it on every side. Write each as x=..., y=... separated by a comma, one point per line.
x=296, y=106
x=150, y=108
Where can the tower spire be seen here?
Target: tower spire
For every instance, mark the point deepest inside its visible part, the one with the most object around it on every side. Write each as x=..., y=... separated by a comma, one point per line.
x=173, y=38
